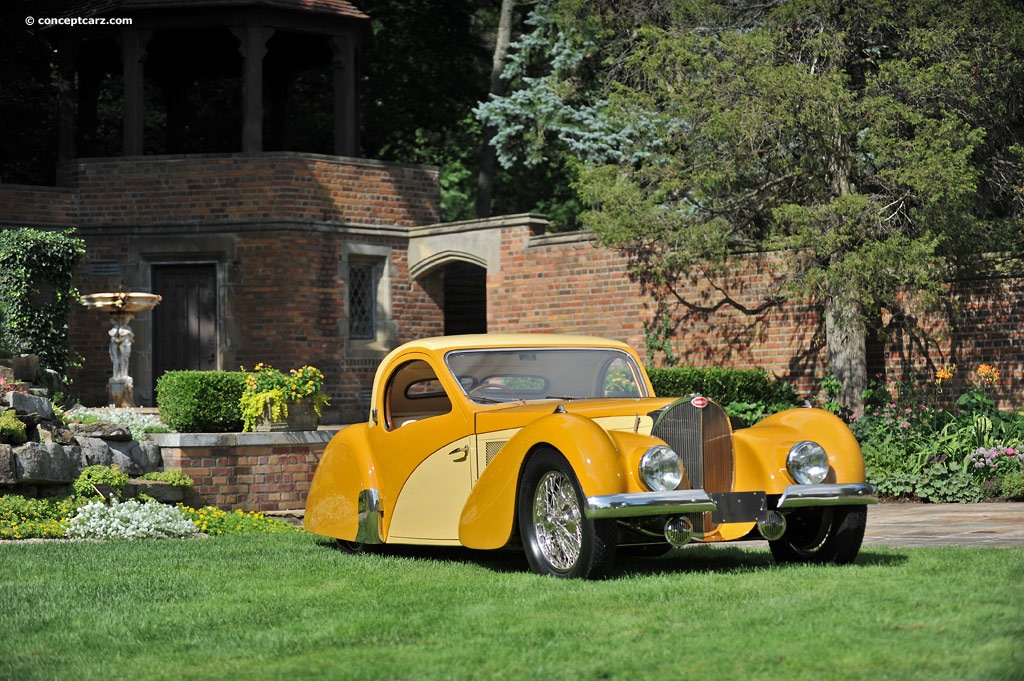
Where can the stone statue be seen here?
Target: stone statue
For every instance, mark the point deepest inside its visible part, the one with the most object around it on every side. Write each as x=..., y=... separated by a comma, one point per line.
x=121, y=337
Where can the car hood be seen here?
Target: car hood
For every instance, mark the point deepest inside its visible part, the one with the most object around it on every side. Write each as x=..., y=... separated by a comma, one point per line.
x=520, y=415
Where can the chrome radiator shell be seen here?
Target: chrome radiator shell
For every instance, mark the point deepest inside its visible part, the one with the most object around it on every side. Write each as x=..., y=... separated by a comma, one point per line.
x=699, y=430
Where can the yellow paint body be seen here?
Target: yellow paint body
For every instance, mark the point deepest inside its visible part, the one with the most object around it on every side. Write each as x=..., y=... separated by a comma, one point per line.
x=447, y=469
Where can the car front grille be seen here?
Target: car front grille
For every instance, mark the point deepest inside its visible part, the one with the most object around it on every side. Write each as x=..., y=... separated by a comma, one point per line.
x=702, y=436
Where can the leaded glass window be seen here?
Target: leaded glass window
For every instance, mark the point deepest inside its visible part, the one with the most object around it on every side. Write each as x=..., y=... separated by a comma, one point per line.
x=362, y=302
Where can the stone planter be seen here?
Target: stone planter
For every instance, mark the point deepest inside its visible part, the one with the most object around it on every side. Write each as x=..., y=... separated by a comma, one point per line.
x=301, y=416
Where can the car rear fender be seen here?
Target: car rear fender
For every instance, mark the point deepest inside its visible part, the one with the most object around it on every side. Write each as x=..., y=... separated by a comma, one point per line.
x=345, y=470
x=488, y=517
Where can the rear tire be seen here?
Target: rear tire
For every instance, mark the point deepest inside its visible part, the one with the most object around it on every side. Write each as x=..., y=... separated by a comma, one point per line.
x=821, y=535
x=558, y=538
x=347, y=546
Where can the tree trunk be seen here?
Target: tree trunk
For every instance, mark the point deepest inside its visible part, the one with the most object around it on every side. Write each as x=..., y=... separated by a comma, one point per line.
x=488, y=156
x=846, y=337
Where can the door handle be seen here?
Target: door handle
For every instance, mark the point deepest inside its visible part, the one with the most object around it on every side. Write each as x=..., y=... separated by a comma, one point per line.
x=464, y=450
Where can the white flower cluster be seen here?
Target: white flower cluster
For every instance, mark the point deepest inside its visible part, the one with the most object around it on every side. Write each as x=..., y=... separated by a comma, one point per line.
x=129, y=520
x=135, y=421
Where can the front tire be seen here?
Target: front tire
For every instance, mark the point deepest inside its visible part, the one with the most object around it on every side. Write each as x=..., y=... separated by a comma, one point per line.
x=558, y=538
x=822, y=535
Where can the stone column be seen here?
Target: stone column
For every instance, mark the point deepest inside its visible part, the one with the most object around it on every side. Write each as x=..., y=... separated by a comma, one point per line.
x=346, y=106
x=133, y=44
x=253, y=47
x=66, y=101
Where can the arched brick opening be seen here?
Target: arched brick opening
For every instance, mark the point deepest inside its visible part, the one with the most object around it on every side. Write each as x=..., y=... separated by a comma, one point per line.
x=465, y=298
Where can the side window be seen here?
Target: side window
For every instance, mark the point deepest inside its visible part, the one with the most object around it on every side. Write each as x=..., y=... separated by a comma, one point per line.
x=413, y=394
x=619, y=380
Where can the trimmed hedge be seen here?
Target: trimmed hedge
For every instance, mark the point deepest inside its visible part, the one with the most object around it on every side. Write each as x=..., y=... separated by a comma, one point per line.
x=724, y=386
x=201, y=401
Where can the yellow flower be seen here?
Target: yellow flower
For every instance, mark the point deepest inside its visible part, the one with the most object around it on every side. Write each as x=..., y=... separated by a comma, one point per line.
x=944, y=374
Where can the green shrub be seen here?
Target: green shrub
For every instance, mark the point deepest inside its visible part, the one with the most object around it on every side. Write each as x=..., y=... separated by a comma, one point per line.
x=12, y=430
x=215, y=521
x=1011, y=486
x=174, y=478
x=99, y=475
x=748, y=394
x=201, y=401
x=22, y=518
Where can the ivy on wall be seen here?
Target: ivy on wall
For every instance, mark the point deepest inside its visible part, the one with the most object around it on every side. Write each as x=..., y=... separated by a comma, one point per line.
x=36, y=293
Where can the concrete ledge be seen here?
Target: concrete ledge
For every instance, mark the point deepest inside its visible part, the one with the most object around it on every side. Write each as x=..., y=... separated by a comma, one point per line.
x=188, y=440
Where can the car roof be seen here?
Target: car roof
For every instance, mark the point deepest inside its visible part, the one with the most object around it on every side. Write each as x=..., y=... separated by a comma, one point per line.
x=500, y=340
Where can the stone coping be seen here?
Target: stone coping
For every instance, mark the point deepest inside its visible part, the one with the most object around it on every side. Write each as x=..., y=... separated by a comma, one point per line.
x=298, y=437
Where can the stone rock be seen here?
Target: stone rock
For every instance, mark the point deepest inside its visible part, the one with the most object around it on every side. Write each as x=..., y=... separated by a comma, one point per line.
x=25, y=367
x=162, y=491
x=51, y=431
x=150, y=457
x=31, y=404
x=102, y=430
x=94, y=452
x=38, y=462
x=131, y=457
x=8, y=473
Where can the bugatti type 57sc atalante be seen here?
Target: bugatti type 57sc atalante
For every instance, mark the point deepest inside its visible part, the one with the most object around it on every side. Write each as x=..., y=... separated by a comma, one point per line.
x=557, y=444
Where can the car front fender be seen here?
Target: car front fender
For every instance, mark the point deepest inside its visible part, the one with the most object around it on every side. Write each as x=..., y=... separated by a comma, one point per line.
x=345, y=470
x=488, y=517
x=761, y=450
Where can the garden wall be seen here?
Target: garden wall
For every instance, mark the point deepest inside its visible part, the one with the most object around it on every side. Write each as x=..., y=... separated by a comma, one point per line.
x=247, y=471
x=568, y=283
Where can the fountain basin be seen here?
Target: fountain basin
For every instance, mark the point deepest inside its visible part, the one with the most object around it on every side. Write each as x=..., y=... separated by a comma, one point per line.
x=121, y=302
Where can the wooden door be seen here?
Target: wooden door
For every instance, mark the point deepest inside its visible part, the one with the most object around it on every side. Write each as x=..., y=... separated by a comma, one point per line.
x=185, y=321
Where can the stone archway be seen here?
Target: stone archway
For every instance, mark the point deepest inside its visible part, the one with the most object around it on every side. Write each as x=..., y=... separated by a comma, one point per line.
x=463, y=256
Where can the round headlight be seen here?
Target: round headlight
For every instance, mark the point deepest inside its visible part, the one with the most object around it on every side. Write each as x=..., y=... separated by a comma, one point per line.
x=659, y=469
x=807, y=462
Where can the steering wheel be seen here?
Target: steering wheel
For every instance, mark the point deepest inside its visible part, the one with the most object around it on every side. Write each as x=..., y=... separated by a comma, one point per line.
x=483, y=388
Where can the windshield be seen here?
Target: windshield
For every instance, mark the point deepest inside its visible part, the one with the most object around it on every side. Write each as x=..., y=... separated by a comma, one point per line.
x=523, y=374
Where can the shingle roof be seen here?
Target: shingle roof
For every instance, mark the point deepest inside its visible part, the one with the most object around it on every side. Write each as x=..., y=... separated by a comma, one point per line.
x=88, y=8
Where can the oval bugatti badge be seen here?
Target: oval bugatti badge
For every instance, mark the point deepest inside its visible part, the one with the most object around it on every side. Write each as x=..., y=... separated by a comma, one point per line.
x=699, y=402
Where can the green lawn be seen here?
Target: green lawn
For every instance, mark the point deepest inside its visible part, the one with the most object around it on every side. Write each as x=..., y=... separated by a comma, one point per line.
x=290, y=607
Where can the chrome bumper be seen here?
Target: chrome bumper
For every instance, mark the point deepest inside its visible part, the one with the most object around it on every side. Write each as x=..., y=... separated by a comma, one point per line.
x=649, y=503
x=698, y=501
x=846, y=494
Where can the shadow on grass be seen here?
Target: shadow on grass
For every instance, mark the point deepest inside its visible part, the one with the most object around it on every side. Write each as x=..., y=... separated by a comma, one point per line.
x=692, y=559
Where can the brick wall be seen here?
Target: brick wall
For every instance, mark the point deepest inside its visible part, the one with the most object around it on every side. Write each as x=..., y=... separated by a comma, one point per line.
x=278, y=224
x=569, y=284
x=250, y=471
x=23, y=206
x=280, y=186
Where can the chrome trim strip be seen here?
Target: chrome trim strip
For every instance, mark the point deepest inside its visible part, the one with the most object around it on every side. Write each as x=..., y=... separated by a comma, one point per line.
x=845, y=494
x=368, y=531
x=631, y=505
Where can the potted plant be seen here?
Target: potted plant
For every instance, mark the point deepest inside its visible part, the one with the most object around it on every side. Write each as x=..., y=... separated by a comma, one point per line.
x=273, y=400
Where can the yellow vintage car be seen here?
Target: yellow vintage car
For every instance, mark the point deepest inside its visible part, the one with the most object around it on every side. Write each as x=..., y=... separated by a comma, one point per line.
x=558, y=444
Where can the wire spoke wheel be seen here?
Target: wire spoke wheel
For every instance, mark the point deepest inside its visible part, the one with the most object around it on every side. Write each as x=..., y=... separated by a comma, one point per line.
x=558, y=538
x=556, y=518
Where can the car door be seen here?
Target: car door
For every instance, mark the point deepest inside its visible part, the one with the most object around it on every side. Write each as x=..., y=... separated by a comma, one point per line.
x=422, y=446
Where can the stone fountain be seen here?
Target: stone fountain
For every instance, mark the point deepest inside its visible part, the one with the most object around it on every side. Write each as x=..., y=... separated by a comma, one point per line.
x=121, y=306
